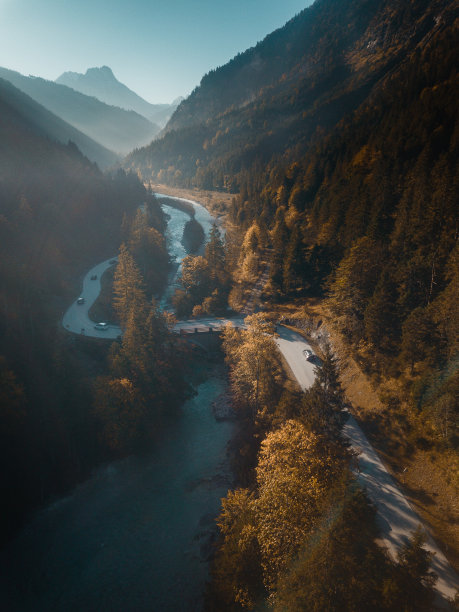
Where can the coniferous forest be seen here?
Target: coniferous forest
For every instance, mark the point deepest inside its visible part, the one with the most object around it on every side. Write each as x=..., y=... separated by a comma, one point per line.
x=338, y=136
x=353, y=187
x=336, y=143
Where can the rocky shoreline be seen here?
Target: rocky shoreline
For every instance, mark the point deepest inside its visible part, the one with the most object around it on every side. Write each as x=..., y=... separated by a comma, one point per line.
x=222, y=407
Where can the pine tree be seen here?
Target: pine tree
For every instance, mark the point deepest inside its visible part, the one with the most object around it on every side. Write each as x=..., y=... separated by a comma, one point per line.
x=127, y=286
x=354, y=282
x=414, y=578
x=293, y=262
x=381, y=317
x=328, y=378
x=418, y=337
x=220, y=280
x=215, y=251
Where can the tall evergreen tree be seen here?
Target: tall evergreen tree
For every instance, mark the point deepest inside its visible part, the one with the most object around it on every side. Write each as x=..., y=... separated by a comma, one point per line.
x=128, y=286
x=294, y=261
x=381, y=317
x=215, y=251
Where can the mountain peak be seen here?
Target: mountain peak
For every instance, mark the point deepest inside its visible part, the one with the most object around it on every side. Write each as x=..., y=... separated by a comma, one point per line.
x=101, y=83
x=103, y=71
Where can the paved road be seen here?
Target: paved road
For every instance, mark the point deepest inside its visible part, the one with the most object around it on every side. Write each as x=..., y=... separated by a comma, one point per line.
x=76, y=319
x=292, y=345
x=396, y=518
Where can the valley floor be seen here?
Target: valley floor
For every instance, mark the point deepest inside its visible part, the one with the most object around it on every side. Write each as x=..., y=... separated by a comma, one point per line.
x=216, y=202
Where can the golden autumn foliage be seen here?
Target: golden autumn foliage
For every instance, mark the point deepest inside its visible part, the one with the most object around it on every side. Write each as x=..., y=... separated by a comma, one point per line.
x=254, y=364
x=296, y=470
x=238, y=576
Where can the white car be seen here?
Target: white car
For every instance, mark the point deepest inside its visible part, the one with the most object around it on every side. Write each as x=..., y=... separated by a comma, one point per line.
x=308, y=354
x=80, y=300
x=101, y=326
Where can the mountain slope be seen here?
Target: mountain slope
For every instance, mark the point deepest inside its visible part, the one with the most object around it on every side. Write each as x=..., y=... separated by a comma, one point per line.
x=341, y=134
x=58, y=215
x=286, y=92
x=18, y=108
x=102, y=84
x=116, y=129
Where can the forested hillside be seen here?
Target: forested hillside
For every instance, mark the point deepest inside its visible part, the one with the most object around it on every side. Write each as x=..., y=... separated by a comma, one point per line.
x=338, y=135
x=59, y=214
x=276, y=100
x=369, y=216
x=359, y=203
x=20, y=109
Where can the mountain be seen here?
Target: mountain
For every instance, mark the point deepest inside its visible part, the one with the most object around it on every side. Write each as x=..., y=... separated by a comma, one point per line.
x=339, y=135
x=18, y=108
x=58, y=215
x=103, y=85
x=116, y=129
x=283, y=95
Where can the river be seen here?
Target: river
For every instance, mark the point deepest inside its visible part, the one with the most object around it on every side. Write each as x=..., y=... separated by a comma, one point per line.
x=137, y=535
x=174, y=234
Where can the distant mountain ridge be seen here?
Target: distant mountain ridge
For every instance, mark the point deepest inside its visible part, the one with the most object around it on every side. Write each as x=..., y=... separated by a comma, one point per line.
x=116, y=129
x=19, y=113
x=103, y=85
x=292, y=88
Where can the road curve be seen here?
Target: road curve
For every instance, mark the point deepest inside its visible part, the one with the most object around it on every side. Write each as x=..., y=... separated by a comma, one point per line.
x=76, y=319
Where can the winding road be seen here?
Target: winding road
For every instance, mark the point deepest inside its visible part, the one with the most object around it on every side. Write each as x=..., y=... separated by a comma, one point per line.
x=397, y=519
x=76, y=319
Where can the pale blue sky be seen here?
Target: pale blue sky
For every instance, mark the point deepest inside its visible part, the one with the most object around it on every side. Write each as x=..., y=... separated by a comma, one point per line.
x=158, y=48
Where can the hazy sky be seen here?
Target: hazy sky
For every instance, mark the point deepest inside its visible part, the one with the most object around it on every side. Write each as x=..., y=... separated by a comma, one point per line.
x=158, y=48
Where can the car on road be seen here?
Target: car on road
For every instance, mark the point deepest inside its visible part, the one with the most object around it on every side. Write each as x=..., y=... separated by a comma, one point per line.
x=80, y=300
x=101, y=326
x=113, y=261
x=94, y=277
x=308, y=354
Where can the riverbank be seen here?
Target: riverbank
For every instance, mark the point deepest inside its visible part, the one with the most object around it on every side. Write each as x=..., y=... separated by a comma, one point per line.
x=216, y=202
x=179, y=204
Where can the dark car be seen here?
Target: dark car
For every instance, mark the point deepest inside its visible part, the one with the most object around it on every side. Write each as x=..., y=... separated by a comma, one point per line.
x=94, y=277
x=80, y=300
